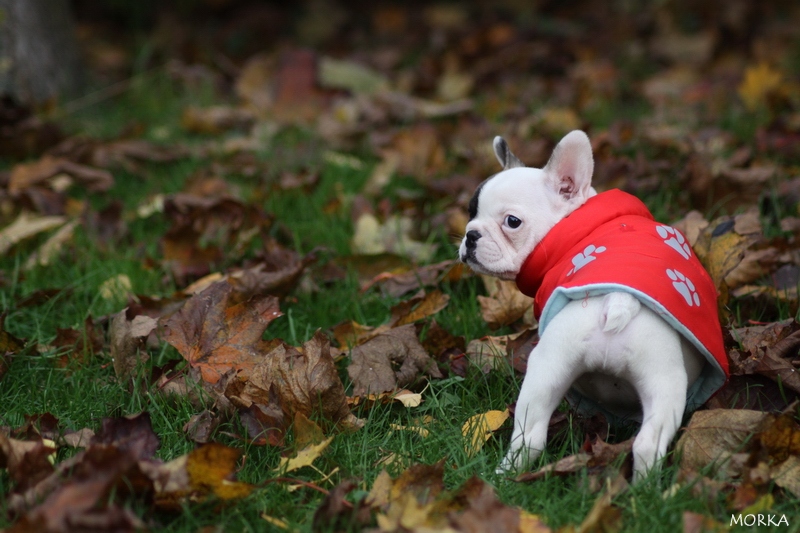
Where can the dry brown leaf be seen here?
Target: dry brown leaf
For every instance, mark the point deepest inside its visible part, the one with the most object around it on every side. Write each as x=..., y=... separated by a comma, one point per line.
x=216, y=120
x=217, y=337
x=9, y=345
x=52, y=247
x=372, y=366
x=418, y=308
x=766, y=351
x=25, y=227
x=505, y=303
x=127, y=338
x=604, y=516
x=713, y=436
x=26, y=175
x=305, y=382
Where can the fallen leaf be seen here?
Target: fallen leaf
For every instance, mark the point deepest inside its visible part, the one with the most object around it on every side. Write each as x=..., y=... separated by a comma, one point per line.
x=372, y=364
x=304, y=457
x=216, y=120
x=78, y=345
x=712, y=437
x=417, y=309
x=478, y=428
x=126, y=338
x=52, y=247
x=336, y=513
x=9, y=345
x=130, y=434
x=604, y=516
x=306, y=382
x=306, y=431
x=211, y=467
x=25, y=227
x=760, y=82
x=201, y=427
x=351, y=76
x=371, y=237
x=216, y=337
x=505, y=303
x=27, y=462
x=26, y=175
x=698, y=523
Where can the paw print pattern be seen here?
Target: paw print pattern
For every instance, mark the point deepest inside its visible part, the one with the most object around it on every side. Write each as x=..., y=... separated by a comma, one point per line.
x=684, y=286
x=674, y=240
x=584, y=258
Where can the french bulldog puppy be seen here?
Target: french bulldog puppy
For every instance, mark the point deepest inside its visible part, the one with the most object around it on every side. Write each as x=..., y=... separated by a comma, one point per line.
x=627, y=315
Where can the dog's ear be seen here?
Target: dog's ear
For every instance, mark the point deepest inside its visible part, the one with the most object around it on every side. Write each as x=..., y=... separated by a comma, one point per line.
x=571, y=166
x=504, y=155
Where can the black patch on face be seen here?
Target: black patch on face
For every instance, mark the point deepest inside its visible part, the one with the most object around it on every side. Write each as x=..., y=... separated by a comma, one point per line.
x=473, y=202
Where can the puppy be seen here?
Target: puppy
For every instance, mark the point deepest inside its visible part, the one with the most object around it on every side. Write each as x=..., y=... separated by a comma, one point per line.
x=627, y=315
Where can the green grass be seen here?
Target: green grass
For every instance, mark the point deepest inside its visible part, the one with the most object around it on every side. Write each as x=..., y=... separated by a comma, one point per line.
x=82, y=394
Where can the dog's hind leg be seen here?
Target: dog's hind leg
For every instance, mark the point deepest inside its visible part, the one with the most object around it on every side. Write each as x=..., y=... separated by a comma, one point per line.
x=661, y=382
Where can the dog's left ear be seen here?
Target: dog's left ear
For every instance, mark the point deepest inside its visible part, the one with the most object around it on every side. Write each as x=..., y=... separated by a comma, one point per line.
x=504, y=155
x=571, y=166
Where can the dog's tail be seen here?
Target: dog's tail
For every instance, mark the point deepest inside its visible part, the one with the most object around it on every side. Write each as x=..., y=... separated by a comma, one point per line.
x=619, y=308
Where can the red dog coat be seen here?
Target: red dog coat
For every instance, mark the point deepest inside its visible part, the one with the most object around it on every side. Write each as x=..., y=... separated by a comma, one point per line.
x=611, y=243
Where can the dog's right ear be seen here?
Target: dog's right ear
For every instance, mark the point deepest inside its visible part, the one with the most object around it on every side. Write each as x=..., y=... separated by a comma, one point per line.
x=504, y=155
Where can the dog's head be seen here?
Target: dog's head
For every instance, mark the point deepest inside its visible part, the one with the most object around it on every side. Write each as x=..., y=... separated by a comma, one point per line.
x=513, y=210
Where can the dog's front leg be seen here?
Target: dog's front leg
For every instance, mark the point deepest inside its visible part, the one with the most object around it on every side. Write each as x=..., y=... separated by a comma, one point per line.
x=552, y=367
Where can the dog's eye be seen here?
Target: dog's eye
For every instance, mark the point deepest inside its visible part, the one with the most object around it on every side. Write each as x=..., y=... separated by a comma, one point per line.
x=513, y=222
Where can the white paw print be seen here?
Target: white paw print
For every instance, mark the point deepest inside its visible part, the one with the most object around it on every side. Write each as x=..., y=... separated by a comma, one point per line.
x=583, y=259
x=684, y=286
x=674, y=240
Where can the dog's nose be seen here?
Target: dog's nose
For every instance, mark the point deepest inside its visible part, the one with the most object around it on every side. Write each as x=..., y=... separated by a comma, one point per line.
x=472, y=237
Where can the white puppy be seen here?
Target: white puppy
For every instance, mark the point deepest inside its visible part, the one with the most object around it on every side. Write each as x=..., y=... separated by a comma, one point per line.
x=627, y=315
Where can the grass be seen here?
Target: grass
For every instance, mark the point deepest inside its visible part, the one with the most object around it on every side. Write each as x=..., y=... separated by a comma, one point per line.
x=81, y=394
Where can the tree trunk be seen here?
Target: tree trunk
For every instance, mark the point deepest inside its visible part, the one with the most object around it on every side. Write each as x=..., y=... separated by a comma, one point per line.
x=39, y=58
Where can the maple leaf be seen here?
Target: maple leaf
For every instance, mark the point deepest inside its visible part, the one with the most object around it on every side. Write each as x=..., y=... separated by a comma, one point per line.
x=372, y=366
x=216, y=337
x=304, y=382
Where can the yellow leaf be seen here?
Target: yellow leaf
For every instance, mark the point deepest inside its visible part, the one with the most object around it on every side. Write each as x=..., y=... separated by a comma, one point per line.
x=304, y=457
x=379, y=493
x=531, y=523
x=209, y=467
x=408, y=398
x=761, y=505
x=421, y=431
x=759, y=82
x=306, y=431
x=479, y=428
x=277, y=522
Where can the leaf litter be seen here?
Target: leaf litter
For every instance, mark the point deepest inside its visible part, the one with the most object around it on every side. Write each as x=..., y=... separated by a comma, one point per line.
x=430, y=118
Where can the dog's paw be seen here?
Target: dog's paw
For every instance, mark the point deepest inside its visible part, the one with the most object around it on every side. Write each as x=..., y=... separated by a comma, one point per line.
x=675, y=240
x=586, y=257
x=507, y=467
x=684, y=286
